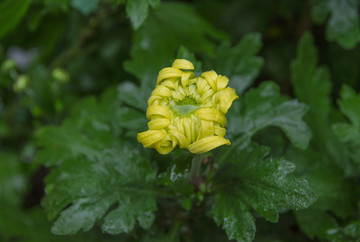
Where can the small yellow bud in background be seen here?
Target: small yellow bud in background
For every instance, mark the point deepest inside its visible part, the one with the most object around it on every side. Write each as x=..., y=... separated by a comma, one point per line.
x=60, y=75
x=8, y=65
x=21, y=83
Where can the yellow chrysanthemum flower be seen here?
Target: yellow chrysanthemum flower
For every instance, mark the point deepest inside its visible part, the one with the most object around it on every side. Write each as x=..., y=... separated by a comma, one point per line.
x=187, y=111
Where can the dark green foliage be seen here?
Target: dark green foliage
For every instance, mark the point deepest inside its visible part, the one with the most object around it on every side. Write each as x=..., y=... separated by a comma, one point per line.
x=239, y=63
x=349, y=133
x=99, y=176
x=11, y=14
x=75, y=77
x=12, y=180
x=343, y=23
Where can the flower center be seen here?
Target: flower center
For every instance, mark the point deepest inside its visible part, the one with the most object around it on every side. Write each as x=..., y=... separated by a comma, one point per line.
x=185, y=107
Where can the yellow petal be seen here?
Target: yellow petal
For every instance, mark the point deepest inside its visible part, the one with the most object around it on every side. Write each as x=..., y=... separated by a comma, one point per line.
x=183, y=142
x=168, y=72
x=185, y=78
x=169, y=83
x=226, y=99
x=210, y=77
x=183, y=64
x=211, y=114
x=202, y=85
x=164, y=146
x=206, y=95
x=206, y=129
x=154, y=100
x=208, y=143
x=159, y=123
x=187, y=127
x=150, y=137
x=222, y=82
x=219, y=131
x=156, y=110
x=162, y=91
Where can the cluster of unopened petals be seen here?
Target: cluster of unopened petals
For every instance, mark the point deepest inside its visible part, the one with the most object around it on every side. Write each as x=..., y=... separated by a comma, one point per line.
x=187, y=111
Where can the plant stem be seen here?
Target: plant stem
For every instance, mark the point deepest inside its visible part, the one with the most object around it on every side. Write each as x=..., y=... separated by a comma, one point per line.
x=175, y=231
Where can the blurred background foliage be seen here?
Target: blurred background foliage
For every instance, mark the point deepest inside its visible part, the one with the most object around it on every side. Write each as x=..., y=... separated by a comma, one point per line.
x=74, y=82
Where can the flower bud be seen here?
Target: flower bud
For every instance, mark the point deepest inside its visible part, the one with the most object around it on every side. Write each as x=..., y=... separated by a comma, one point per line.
x=60, y=75
x=187, y=111
x=8, y=65
x=21, y=83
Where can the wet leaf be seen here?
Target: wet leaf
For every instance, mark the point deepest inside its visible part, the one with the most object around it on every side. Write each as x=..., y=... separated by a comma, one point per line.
x=263, y=107
x=116, y=187
x=255, y=181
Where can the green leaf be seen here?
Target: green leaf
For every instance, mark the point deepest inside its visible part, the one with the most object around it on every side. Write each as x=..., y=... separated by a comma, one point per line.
x=349, y=133
x=252, y=180
x=326, y=179
x=234, y=217
x=332, y=189
x=93, y=126
x=85, y=6
x=11, y=14
x=129, y=94
x=312, y=86
x=64, y=142
x=98, y=177
x=349, y=104
x=263, y=107
x=240, y=62
x=343, y=24
x=116, y=187
x=137, y=11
